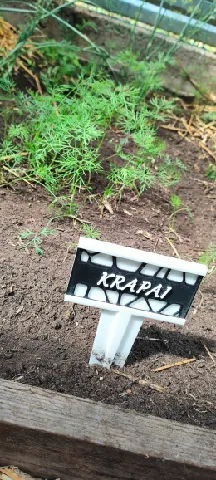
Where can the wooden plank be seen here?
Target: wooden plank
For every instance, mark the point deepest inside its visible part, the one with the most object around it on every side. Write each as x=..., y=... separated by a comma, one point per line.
x=55, y=435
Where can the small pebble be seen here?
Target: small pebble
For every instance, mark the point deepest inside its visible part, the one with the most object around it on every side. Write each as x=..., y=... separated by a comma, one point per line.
x=8, y=355
x=57, y=325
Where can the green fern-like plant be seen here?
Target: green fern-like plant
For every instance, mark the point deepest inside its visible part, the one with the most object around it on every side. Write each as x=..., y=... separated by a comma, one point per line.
x=208, y=257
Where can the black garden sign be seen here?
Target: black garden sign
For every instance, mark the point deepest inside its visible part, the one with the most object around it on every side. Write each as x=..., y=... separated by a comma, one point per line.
x=133, y=284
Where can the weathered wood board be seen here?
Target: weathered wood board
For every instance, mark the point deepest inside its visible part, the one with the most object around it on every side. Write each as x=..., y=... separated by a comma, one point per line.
x=60, y=436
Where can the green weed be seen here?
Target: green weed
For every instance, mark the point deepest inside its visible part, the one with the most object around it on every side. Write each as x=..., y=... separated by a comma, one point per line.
x=60, y=63
x=90, y=232
x=135, y=175
x=175, y=202
x=209, y=116
x=86, y=24
x=211, y=171
x=146, y=75
x=7, y=84
x=170, y=171
x=178, y=207
x=208, y=257
x=64, y=206
x=31, y=239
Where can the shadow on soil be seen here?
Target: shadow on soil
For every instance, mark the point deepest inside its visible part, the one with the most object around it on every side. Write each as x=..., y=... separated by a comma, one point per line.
x=153, y=340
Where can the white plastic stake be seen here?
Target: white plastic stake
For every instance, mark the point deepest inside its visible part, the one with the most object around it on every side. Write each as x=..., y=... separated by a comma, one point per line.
x=116, y=333
x=128, y=340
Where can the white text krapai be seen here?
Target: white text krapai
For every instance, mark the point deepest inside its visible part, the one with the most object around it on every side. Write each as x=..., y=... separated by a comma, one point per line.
x=118, y=281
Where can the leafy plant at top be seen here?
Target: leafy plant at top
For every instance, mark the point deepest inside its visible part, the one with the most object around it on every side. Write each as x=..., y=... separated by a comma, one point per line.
x=62, y=132
x=56, y=136
x=208, y=257
x=64, y=129
x=58, y=144
x=31, y=239
x=90, y=232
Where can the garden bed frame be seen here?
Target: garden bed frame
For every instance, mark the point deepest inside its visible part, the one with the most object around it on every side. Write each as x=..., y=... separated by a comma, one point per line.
x=52, y=435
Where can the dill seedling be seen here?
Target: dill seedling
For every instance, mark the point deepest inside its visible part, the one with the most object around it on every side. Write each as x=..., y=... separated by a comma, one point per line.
x=211, y=171
x=169, y=172
x=64, y=206
x=177, y=206
x=31, y=239
x=90, y=232
x=208, y=257
x=62, y=133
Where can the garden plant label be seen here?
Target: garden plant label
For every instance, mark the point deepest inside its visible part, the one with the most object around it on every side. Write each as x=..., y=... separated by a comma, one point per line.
x=129, y=285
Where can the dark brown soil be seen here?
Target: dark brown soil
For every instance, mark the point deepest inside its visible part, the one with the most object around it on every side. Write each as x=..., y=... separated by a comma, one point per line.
x=46, y=342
